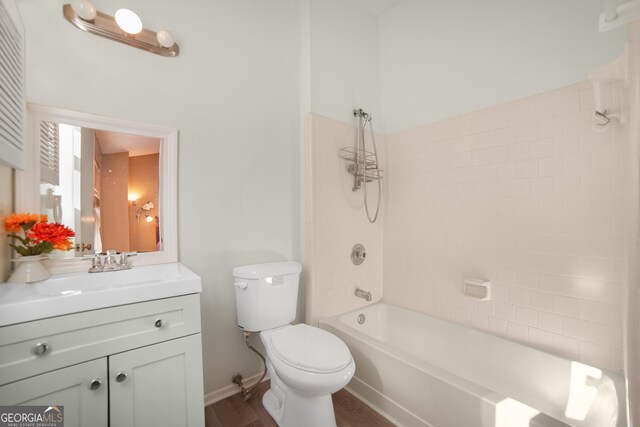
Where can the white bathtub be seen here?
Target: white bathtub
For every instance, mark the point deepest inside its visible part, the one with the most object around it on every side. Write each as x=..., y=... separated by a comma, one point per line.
x=423, y=371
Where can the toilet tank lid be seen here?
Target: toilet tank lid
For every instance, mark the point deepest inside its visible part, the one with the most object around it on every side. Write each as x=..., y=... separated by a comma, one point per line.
x=260, y=271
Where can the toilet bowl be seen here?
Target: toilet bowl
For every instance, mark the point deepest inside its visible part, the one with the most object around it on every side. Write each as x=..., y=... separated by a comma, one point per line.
x=306, y=364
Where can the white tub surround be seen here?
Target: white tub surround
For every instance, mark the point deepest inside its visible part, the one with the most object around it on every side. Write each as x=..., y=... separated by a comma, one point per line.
x=335, y=221
x=423, y=371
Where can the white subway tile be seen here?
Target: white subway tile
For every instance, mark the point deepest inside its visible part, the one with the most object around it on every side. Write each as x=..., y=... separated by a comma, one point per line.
x=505, y=311
x=518, y=296
x=517, y=332
x=596, y=355
x=544, y=186
x=497, y=326
x=596, y=311
x=566, y=306
x=550, y=127
x=506, y=136
x=566, y=145
x=568, y=346
x=520, y=151
x=526, y=316
x=526, y=168
x=527, y=132
x=541, y=300
x=479, y=321
x=540, y=338
x=549, y=322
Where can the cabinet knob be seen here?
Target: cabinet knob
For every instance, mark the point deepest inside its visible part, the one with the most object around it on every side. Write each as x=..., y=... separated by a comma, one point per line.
x=95, y=384
x=121, y=376
x=159, y=323
x=39, y=349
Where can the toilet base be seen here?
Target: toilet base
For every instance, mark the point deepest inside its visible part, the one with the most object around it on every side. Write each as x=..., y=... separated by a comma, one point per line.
x=295, y=410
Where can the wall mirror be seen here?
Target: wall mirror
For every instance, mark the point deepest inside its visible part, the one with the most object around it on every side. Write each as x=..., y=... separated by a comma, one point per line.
x=112, y=181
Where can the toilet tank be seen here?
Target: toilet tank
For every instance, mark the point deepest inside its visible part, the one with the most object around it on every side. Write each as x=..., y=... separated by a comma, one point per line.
x=266, y=294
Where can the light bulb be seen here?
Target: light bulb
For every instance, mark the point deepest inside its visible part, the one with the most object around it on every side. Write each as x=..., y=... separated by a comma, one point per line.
x=165, y=38
x=148, y=217
x=85, y=9
x=128, y=21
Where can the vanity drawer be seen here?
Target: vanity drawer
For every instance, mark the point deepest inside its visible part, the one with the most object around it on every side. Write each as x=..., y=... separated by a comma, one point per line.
x=31, y=348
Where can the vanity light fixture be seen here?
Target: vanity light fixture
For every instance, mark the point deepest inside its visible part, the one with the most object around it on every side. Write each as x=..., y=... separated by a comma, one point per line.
x=125, y=28
x=128, y=21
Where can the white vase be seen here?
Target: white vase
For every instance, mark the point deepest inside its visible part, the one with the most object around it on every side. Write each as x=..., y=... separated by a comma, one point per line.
x=29, y=269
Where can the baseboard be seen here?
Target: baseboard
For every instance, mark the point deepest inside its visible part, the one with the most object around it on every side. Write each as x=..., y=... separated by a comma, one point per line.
x=230, y=390
x=386, y=407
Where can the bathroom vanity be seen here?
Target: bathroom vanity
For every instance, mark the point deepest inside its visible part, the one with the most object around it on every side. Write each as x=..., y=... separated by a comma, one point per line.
x=116, y=349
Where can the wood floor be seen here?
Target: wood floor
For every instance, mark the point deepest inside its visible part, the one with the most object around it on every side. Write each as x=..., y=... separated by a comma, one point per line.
x=234, y=412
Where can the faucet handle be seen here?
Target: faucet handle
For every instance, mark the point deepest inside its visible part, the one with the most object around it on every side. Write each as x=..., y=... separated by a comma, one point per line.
x=124, y=259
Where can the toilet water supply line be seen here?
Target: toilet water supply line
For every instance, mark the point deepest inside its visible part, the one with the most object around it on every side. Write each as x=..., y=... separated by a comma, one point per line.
x=237, y=379
x=361, y=128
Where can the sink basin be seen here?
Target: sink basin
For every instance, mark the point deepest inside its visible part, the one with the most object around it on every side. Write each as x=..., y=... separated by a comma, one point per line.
x=75, y=292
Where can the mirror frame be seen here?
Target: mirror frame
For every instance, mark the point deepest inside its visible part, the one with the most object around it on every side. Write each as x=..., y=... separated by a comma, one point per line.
x=27, y=182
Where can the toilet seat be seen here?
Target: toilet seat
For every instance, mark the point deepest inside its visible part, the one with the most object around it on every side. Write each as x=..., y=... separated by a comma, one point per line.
x=310, y=349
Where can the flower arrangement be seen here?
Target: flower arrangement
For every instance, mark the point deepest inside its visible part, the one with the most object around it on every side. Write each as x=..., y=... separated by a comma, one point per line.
x=38, y=235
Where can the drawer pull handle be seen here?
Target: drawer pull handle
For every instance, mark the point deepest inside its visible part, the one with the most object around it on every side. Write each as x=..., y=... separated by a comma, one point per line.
x=95, y=384
x=39, y=349
x=121, y=376
x=159, y=323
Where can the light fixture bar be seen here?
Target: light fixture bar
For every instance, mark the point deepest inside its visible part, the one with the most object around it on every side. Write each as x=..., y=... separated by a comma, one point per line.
x=105, y=26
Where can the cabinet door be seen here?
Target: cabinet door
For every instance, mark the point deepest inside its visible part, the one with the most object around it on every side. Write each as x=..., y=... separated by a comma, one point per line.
x=158, y=386
x=70, y=387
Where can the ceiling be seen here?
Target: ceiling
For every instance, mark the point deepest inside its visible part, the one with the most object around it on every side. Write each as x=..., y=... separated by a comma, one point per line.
x=117, y=142
x=377, y=7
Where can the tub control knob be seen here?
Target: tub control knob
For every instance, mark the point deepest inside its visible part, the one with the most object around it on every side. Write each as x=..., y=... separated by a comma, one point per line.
x=358, y=254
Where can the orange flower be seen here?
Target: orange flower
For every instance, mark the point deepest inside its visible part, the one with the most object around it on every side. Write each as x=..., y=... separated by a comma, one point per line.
x=16, y=222
x=57, y=234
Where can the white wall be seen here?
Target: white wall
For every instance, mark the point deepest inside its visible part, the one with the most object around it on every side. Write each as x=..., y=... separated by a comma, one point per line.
x=443, y=58
x=234, y=95
x=344, y=71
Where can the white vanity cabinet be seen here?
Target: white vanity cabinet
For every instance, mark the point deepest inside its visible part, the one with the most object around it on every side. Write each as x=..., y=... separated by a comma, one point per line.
x=130, y=365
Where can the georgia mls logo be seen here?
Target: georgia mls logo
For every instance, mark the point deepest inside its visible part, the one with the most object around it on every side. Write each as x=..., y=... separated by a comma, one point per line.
x=32, y=416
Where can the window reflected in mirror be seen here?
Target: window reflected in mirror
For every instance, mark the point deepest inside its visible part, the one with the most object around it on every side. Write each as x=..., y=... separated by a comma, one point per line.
x=102, y=184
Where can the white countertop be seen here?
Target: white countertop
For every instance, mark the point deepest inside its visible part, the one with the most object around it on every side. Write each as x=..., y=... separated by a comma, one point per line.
x=74, y=292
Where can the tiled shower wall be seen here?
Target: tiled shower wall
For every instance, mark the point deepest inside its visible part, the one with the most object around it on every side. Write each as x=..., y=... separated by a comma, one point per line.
x=525, y=195
x=334, y=221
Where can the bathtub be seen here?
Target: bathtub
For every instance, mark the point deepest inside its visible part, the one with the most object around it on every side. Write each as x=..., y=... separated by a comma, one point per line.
x=422, y=371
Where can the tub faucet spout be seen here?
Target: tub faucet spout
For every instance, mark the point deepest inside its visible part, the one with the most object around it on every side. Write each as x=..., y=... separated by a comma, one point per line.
x=363, y=294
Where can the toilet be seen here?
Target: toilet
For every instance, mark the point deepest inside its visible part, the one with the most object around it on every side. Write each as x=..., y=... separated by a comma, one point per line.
x=306, y=364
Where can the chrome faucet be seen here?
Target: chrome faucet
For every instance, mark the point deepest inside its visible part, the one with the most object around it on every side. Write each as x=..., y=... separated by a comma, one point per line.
x=110, y=261
x=363, y=294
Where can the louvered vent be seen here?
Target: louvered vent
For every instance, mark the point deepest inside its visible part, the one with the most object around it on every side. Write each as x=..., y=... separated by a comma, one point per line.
x=49, y=153
x=12, y=94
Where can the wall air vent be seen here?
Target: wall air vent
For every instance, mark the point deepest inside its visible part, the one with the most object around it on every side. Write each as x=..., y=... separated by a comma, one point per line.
x=12, y=86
